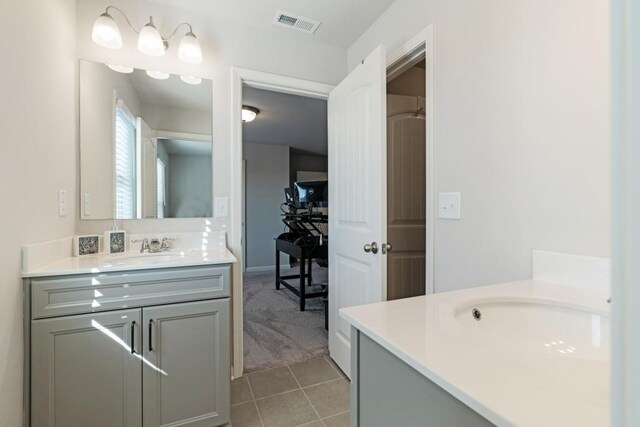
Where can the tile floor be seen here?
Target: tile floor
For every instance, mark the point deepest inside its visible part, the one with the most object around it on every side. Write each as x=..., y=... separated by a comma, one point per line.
x=314, y=393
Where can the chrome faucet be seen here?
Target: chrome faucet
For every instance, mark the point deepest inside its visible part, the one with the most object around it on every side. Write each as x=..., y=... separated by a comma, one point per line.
x=145, y=244
x=165, y=244
x=155, y=245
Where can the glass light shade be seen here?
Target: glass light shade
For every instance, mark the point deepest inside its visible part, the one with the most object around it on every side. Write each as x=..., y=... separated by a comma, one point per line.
x=191, y=80
x=189, y=50
x=150, y=41
x=160, y=75
x=249, y=113
x=106, y=32
x=121, y=68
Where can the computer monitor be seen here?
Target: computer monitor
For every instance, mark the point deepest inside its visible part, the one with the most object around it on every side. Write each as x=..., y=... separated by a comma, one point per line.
x=311, y=194
x=288, y=195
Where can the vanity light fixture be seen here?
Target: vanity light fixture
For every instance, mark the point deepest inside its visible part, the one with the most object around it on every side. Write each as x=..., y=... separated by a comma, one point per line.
x=106, y=33
x=249, y=113
x=189, y=50
x=191, y=80
x=121, y=68
x=150, y=41
x=160, y=75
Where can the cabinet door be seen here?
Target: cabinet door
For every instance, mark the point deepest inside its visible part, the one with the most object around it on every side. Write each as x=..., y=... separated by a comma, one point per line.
x=84, y=372
x=186, y=375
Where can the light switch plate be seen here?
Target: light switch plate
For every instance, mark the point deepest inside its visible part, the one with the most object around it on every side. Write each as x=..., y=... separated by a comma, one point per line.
x=87, y=204
x=221, y=207
x=449, y=205
x=62, y=203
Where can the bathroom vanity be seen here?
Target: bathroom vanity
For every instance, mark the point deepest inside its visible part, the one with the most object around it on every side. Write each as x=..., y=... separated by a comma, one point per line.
x=528, y=353
x=140, y=340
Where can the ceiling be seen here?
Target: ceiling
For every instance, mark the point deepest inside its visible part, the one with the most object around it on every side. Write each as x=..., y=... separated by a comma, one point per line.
x=343, y=21
x=296, y=121
x=172, y=92
x=180, y=147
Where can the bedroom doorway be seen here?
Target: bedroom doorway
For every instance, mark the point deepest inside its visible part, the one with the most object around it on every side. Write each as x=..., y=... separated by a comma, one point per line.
x=284, y=154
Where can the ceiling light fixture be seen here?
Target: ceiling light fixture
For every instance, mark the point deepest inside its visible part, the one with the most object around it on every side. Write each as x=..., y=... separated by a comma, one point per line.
x=191, y=80
x=106, y=33
x=249, y=113
x=160, y=75
x=121, y=68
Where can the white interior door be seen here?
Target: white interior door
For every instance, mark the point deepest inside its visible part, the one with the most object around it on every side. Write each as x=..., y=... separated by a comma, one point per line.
x=357, y=196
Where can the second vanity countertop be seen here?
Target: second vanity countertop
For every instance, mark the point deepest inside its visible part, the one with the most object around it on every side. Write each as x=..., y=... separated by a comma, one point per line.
x=517, y=365
x=133, y=260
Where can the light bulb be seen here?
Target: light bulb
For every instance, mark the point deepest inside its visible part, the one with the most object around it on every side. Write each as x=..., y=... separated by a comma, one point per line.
x=106, y=32
x=150, y=41
x=121, y=68
x=160, y=75
x=189, y=50
x=191, y=80
x=249, y=113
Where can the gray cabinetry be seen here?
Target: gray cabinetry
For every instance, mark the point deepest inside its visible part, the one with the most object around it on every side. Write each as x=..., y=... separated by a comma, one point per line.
x=83, y=371
x=186, y=375
x=137, y=364
x=385, y=391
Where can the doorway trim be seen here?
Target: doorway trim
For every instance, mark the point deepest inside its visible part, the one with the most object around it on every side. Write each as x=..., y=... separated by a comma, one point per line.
x=625, y=107
x=274, y=83
x=411, y=52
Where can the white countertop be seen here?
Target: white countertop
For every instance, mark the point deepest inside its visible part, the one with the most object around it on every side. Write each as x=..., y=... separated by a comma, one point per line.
x=538, y=357
x=133, y=260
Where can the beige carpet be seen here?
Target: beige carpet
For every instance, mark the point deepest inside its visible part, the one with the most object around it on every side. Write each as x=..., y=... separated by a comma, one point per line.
x=276, y=332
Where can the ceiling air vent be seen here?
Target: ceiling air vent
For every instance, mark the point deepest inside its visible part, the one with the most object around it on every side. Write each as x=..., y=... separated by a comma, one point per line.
x=296, y=22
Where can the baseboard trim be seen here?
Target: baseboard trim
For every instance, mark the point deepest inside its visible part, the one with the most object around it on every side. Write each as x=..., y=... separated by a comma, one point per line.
x=266, y=268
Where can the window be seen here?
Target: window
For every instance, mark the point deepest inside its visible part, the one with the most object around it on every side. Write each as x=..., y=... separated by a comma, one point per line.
x=161, y=173
x=125, y=163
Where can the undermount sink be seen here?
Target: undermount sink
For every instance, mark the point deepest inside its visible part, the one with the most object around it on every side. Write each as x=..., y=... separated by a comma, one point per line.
x=551, y=328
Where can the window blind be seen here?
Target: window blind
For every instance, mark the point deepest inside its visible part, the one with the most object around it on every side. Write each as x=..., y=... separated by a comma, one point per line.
x=125, y=165
x=161, y=173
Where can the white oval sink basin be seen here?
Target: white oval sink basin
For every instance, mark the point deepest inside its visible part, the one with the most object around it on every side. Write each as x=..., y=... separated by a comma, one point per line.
x=542, y=328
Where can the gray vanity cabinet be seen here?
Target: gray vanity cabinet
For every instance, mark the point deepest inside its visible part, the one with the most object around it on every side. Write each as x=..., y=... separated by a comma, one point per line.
x=83, y=371
x=130, y=349
x=185, y=375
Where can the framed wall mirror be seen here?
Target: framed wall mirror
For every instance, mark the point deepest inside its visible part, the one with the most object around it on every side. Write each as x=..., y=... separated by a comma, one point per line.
x=145, y=144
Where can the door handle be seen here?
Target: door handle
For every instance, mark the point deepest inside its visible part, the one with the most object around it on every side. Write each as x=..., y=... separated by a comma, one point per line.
x=133, y=337
x=371, y=248
x=386, y=248
x=150, y=334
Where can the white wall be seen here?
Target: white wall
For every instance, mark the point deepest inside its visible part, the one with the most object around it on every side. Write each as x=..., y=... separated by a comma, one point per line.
x=225, y=45
x=267, y=175
x=38, y=157
x=522, y=128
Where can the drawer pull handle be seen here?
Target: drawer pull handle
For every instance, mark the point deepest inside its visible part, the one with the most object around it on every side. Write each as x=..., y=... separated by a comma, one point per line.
x=133, y=335
x=150, y=334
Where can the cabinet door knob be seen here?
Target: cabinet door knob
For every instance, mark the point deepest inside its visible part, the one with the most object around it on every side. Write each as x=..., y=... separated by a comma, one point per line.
x=386, y=248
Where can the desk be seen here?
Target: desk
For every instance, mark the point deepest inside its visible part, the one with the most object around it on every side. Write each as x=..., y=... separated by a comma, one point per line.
x=305, y=253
